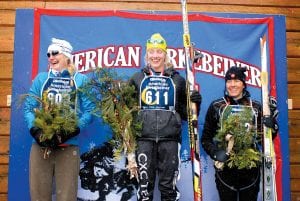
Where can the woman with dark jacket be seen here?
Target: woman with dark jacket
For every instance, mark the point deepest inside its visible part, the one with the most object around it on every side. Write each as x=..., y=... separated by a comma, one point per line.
x=235, y=182
x=162, y=96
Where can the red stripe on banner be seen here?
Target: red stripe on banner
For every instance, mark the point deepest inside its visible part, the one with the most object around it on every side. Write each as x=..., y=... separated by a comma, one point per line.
x=145, y=16
x=36, y=44
x=206, y=18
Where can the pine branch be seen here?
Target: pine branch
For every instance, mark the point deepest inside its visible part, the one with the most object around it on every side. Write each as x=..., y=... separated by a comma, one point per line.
x=53, y=118
x=244, y=153
x=117, y=104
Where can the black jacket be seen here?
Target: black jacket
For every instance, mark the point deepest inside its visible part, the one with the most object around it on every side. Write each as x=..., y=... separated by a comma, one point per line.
x=211, y=124
x=163, y=124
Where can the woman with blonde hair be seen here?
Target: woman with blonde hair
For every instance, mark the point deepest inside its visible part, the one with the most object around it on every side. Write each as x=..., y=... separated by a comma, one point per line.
x=54, y=154
x=162, y=97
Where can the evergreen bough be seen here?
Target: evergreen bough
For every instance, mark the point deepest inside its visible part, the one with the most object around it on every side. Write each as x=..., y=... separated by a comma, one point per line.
x=117, y=103
x=244, y=153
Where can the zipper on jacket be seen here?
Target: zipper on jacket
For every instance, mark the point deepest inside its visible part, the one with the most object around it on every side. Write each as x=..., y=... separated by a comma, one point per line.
x=157, y=137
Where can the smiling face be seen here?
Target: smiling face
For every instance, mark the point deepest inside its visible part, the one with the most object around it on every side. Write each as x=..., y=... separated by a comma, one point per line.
x=57, y=60
x=235, y=88
x=156, y=58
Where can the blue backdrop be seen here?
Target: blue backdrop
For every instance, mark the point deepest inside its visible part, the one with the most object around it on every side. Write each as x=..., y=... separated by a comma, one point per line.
x=117, y=39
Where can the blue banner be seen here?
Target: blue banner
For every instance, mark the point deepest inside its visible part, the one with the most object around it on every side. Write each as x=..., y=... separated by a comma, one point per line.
x=116, y=39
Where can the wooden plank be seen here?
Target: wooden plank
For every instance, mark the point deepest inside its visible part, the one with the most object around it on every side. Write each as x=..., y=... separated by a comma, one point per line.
x=7, y=39
x=4, y=127
x=3, y=184
x=292, y=24
x=12, y=5
x=3, y=180
x=4, y=121
x=292, y=21
x=294, y=123
x=4, y=144
x=294, y=145
x=3, y=170
x=294, y=94
x=293, y=65
x=295, y=102
x=294, y=114
x=5, y=89
x=7, y=17
x=6, y=65
x=3, y=197
x=294, y=128
x=295, y=185
x=174, y=6
x=281, y=3
x=295, y=171
x=294, y=158
x=287, y=8
x=4, y=158
x=295, y=196
x=293, y=44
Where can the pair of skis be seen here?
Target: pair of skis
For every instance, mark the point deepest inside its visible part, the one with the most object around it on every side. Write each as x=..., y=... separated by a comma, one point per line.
x=269, y=182
x=191, y=107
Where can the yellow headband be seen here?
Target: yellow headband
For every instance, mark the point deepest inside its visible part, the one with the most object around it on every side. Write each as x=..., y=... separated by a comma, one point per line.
x=157, y=41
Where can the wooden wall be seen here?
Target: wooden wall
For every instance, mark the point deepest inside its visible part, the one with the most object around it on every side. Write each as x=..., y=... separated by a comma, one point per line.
x=289, y=8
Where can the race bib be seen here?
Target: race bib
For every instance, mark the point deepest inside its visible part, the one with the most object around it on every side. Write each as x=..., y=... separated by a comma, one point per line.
x=60, y=89
x=157, y=93
x=237, y=110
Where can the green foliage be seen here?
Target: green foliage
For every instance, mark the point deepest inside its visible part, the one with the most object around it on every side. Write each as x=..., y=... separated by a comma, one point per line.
x=116, y=102
x=244, y=153
x=54, y=119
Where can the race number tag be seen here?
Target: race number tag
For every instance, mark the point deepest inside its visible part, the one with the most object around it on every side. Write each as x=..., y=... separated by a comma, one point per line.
x=59, y=89
x=238, y=110
x=157, y=93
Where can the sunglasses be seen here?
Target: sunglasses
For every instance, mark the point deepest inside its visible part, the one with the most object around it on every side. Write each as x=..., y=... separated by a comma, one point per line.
x=155, y=41
x=52, y=53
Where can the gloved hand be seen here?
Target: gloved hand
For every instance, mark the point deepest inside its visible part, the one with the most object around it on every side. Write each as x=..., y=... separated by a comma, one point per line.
x=220, y=155
x=196, y=97
x=271, y=123
x=62, y=137
x=197, y=56
x=273, y=107
x=36, y=133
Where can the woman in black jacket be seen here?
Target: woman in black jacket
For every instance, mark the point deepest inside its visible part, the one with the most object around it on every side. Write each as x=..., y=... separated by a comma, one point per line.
x=235, y=182
x=162, y=96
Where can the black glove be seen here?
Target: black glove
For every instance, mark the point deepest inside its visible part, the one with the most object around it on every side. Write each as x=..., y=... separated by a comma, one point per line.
x=62, y=136
x=271, y=123
x=197, y=56
x=196, y=97
x=36, y=133
x=220, y=155
x=273, y=107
